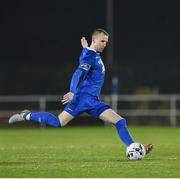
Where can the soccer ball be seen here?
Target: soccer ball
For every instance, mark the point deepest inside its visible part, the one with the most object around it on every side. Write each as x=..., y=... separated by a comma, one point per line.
x=135, y=151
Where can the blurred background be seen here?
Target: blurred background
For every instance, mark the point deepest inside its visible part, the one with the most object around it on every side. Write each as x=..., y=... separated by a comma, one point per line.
x=40, y=47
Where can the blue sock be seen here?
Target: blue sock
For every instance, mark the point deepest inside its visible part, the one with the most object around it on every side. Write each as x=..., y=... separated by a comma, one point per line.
x=45, y=118
x=123, y=132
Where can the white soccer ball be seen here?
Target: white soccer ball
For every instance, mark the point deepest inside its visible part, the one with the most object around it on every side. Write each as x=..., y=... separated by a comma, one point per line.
x=135, y=151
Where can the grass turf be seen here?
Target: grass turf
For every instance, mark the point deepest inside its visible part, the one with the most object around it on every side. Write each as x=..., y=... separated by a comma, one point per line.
x=86, y=152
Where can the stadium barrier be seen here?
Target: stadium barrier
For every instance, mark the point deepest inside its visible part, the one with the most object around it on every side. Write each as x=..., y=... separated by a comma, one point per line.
x=126, y=105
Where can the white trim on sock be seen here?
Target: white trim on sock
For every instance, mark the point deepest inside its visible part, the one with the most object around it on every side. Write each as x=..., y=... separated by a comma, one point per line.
x=28, y=116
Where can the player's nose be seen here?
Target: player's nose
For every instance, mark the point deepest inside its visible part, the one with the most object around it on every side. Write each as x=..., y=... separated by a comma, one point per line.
x=104, y=45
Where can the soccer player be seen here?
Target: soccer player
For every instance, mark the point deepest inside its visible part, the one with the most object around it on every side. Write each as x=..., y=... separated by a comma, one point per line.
x=84, y=93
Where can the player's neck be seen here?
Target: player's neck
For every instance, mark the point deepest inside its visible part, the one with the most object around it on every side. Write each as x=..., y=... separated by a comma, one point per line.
x=92, y=47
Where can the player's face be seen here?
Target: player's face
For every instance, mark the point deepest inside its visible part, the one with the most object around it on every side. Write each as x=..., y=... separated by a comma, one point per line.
x=100, y=42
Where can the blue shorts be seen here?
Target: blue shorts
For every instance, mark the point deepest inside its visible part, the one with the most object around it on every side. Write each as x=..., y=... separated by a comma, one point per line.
x=86, y=103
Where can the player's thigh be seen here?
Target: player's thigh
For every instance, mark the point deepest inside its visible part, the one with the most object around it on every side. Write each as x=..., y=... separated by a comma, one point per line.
x=110, y=116
x=65, y=117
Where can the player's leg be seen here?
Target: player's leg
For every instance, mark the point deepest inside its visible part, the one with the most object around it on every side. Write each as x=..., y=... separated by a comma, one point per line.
x=65, y=118
x=69, y=112
x=43, y=118
x=111, y=116
x=104, y=112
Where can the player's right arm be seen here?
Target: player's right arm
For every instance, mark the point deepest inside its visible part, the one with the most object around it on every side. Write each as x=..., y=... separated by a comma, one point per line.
x=77, y=77
x=67, y=97
x=80, y=73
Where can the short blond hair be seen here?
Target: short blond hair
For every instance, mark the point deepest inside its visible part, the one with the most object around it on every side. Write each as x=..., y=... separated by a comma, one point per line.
x=99, y=31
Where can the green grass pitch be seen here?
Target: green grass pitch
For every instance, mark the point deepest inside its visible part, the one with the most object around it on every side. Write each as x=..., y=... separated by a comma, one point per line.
x=91, y=152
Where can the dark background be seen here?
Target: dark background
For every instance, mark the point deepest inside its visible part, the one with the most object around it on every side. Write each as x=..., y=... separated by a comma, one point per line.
x=40, y=44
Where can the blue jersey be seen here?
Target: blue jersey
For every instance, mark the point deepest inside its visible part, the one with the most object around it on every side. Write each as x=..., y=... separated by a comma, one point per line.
x=86, y=84
x=92, y=82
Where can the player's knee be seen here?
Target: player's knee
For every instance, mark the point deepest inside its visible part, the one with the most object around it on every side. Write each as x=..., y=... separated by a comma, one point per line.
x=64, y=118
x=63, y=121
x=121, y=118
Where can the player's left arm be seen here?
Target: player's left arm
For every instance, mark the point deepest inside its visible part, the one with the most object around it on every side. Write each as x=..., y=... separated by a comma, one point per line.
x=84, y=42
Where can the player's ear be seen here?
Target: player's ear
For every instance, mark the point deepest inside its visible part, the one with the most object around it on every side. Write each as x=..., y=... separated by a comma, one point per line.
x=94, y=40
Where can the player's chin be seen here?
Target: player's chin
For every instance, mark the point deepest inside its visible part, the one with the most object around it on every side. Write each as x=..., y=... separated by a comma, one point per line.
x=101, y=49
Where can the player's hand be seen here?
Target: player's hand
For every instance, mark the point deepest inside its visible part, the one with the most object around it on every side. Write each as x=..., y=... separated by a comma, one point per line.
x=67, y=97
x=84, y=42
